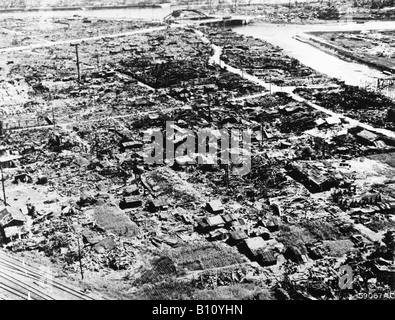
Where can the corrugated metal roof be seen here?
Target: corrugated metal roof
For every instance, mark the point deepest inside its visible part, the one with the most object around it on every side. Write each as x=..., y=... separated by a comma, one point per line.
x=367, y=135
x=267, y=256
x=255, y=243
x=214, y=221
x=216, y=205
x=11, y=231
x=332, y=120
x=9, y=214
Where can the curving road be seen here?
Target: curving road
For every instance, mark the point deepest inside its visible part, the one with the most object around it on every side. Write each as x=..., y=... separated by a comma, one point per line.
x=274, y=88
x=352, y=73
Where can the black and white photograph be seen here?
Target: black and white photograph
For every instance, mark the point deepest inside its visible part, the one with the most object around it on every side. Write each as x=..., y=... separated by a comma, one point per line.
x=197, y=155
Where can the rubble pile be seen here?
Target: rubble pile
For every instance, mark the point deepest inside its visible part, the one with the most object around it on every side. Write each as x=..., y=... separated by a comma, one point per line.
x=263, y=60
x=356, y=103
x=35, y=30
x=79, y=188
x=295, y=13
x=186, y=73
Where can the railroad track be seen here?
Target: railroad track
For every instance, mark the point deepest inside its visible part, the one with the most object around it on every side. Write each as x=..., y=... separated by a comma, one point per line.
x=21, y=281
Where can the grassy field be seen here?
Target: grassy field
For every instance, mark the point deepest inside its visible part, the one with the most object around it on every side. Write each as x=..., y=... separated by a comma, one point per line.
x=387, y=158
x=206, y=256
x=112, y=219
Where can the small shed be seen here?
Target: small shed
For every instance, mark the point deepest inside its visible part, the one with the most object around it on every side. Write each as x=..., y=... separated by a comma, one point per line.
x=215, y=221
x=294, y=254
x=367, y=137
x=267, y=258
x=237, y=236
x=9, y=161
x=219, y=234
x=253, y=246
x=273, y=224
x=215, y=206
x=158, y=204
x=10, y=216
x=131, y=202
x=23, y=177
x=230, y=217
x=208, y=224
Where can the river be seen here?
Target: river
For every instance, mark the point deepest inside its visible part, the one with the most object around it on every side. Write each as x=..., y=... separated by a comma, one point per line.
x=273, y=88
x=281, y=35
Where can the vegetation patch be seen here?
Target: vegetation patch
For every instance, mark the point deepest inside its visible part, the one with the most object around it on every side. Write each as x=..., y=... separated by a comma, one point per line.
x=113, y=220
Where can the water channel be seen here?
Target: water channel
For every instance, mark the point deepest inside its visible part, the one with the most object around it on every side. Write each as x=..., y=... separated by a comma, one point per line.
x=282, y=35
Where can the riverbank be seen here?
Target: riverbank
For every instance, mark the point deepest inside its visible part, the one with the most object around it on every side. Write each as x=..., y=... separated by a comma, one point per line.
x=284, y=36
x=343, y=53
x=284, y=74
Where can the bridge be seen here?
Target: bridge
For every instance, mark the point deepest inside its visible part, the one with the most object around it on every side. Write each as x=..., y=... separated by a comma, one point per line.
x=224, y=22
x=179, y=13
x=201, y=18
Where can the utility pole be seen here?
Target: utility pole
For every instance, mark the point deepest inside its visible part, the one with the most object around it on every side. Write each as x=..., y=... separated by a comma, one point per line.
x=53, y=116
x=209, y=104
x=97, y=60
x=53, y=112
x=227, y=174
x=96, y=145
x=2, y=182
x=78, y=60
